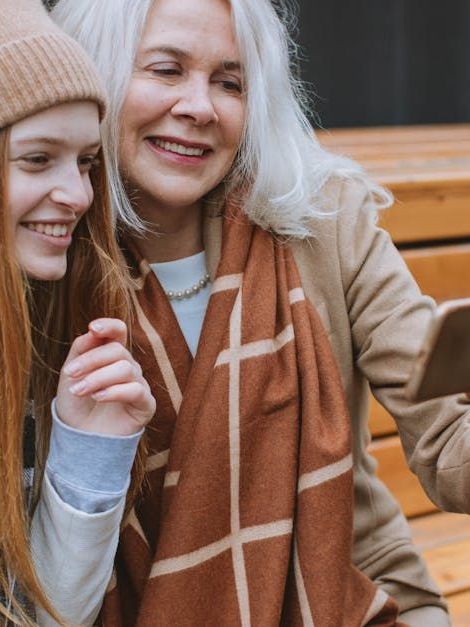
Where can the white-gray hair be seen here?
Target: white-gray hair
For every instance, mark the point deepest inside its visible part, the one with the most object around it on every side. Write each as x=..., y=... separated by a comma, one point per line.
x=280, y=168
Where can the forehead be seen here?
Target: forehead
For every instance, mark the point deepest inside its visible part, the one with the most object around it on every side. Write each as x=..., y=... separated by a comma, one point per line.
x=199, y=26
x=72, y=123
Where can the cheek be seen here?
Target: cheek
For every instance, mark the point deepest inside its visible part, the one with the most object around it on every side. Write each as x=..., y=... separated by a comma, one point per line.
x=23, y=196
x=234, y=123
x=145, y=104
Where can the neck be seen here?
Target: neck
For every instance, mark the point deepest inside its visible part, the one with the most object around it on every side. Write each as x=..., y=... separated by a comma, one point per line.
x=172, y=234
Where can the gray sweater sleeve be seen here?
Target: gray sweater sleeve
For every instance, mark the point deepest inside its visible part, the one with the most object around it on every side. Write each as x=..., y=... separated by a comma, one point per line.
x=89, y=471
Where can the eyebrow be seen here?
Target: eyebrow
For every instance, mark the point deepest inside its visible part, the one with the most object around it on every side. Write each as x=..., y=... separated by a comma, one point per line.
x=230, y=66
x=184, y=54
x=51, y=141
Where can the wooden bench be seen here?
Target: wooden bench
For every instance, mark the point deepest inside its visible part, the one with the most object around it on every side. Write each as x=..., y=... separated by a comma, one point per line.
x=428, y=170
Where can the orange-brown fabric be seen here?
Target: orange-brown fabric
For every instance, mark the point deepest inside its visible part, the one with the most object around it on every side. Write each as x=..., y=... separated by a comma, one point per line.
x=246, y=518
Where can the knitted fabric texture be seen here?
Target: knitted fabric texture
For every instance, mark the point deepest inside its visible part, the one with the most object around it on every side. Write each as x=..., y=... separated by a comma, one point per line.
x=40, y=66
x=246, y=515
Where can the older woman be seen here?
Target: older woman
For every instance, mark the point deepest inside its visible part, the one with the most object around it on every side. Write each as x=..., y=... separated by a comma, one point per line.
x=266, y=301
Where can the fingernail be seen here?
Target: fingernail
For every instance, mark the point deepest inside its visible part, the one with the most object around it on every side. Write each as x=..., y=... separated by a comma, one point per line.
x=97, y=396
x=78, y=388
x=73, y=368
x=97, y=327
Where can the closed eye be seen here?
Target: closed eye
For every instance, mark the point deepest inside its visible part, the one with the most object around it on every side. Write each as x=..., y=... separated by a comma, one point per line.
x=232, y=86
x=167, y=72
x=165, y=69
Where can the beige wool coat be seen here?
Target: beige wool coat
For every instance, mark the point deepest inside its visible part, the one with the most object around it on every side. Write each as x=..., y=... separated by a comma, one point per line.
x=376, y=317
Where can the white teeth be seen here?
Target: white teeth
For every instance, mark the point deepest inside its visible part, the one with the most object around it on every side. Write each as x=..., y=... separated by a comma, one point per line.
x=179, y=149
x=54, y=230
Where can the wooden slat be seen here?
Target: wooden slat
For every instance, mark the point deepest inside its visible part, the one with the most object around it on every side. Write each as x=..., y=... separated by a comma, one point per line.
x=405, y=147
x=431, y=173
x=440, y=528
x=396, y=154
x=394, y=472
x=451, y=155
x=392, y=135
x=450, y=566
x=441, y=272
x=380, y=421
x=445, y=543
x=426, y=168
x=422, y=213
x=459, y=606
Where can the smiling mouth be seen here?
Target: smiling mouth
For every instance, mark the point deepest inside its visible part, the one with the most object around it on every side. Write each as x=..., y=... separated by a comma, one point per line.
x=178, y=149
x=53, y=230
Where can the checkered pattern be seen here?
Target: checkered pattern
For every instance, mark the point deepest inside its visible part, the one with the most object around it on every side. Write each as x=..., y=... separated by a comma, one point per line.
x=246, y=516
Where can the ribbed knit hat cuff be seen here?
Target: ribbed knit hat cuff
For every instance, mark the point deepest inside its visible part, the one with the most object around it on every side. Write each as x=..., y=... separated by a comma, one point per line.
x=42, y=71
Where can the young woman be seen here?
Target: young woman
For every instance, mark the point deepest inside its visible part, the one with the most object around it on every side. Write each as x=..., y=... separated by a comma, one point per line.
x=63, y=297
x=269, y=245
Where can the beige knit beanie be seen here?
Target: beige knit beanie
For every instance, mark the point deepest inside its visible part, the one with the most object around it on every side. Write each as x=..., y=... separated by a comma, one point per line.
x=40, y=66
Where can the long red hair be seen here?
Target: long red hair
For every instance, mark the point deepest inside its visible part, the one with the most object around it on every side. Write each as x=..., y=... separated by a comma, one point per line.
x=38, y=322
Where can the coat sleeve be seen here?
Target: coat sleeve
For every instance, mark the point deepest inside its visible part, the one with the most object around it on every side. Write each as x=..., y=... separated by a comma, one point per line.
x=388, y=318
x=73, y=554
x=75, y=528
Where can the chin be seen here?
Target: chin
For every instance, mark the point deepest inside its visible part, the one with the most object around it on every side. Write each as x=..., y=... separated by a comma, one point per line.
x=171, y=192
x=46, y=272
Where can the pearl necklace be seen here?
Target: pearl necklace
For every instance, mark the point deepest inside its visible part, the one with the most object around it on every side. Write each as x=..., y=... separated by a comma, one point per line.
x=191, y=291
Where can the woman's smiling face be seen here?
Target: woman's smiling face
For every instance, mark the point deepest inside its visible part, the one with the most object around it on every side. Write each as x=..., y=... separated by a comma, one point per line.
x=183, y=118
x=49, y=189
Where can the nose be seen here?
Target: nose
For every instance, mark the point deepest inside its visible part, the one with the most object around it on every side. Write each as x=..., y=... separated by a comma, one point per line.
x=73, y=190
x=195, y=102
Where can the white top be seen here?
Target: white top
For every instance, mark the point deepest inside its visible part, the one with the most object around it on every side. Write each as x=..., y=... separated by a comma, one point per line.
x=177, y=276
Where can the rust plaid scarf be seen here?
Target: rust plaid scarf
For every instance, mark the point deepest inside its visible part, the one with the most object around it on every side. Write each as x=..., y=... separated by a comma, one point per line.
x=246, y=518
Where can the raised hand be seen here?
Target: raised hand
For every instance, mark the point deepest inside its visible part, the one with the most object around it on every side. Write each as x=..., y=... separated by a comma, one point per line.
x=101, y=387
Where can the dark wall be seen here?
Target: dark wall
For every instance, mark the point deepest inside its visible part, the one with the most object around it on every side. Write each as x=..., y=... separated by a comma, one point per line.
x=375, y=62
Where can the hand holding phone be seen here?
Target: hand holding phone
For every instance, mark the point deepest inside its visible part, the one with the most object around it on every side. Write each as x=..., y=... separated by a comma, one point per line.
x=442, y=366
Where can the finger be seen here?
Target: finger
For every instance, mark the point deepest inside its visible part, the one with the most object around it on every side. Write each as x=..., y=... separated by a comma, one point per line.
x=98, y=357
x=122, y=371
x=109, y=328
x=100, y=331
x=133, y=394
x=82, y=344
